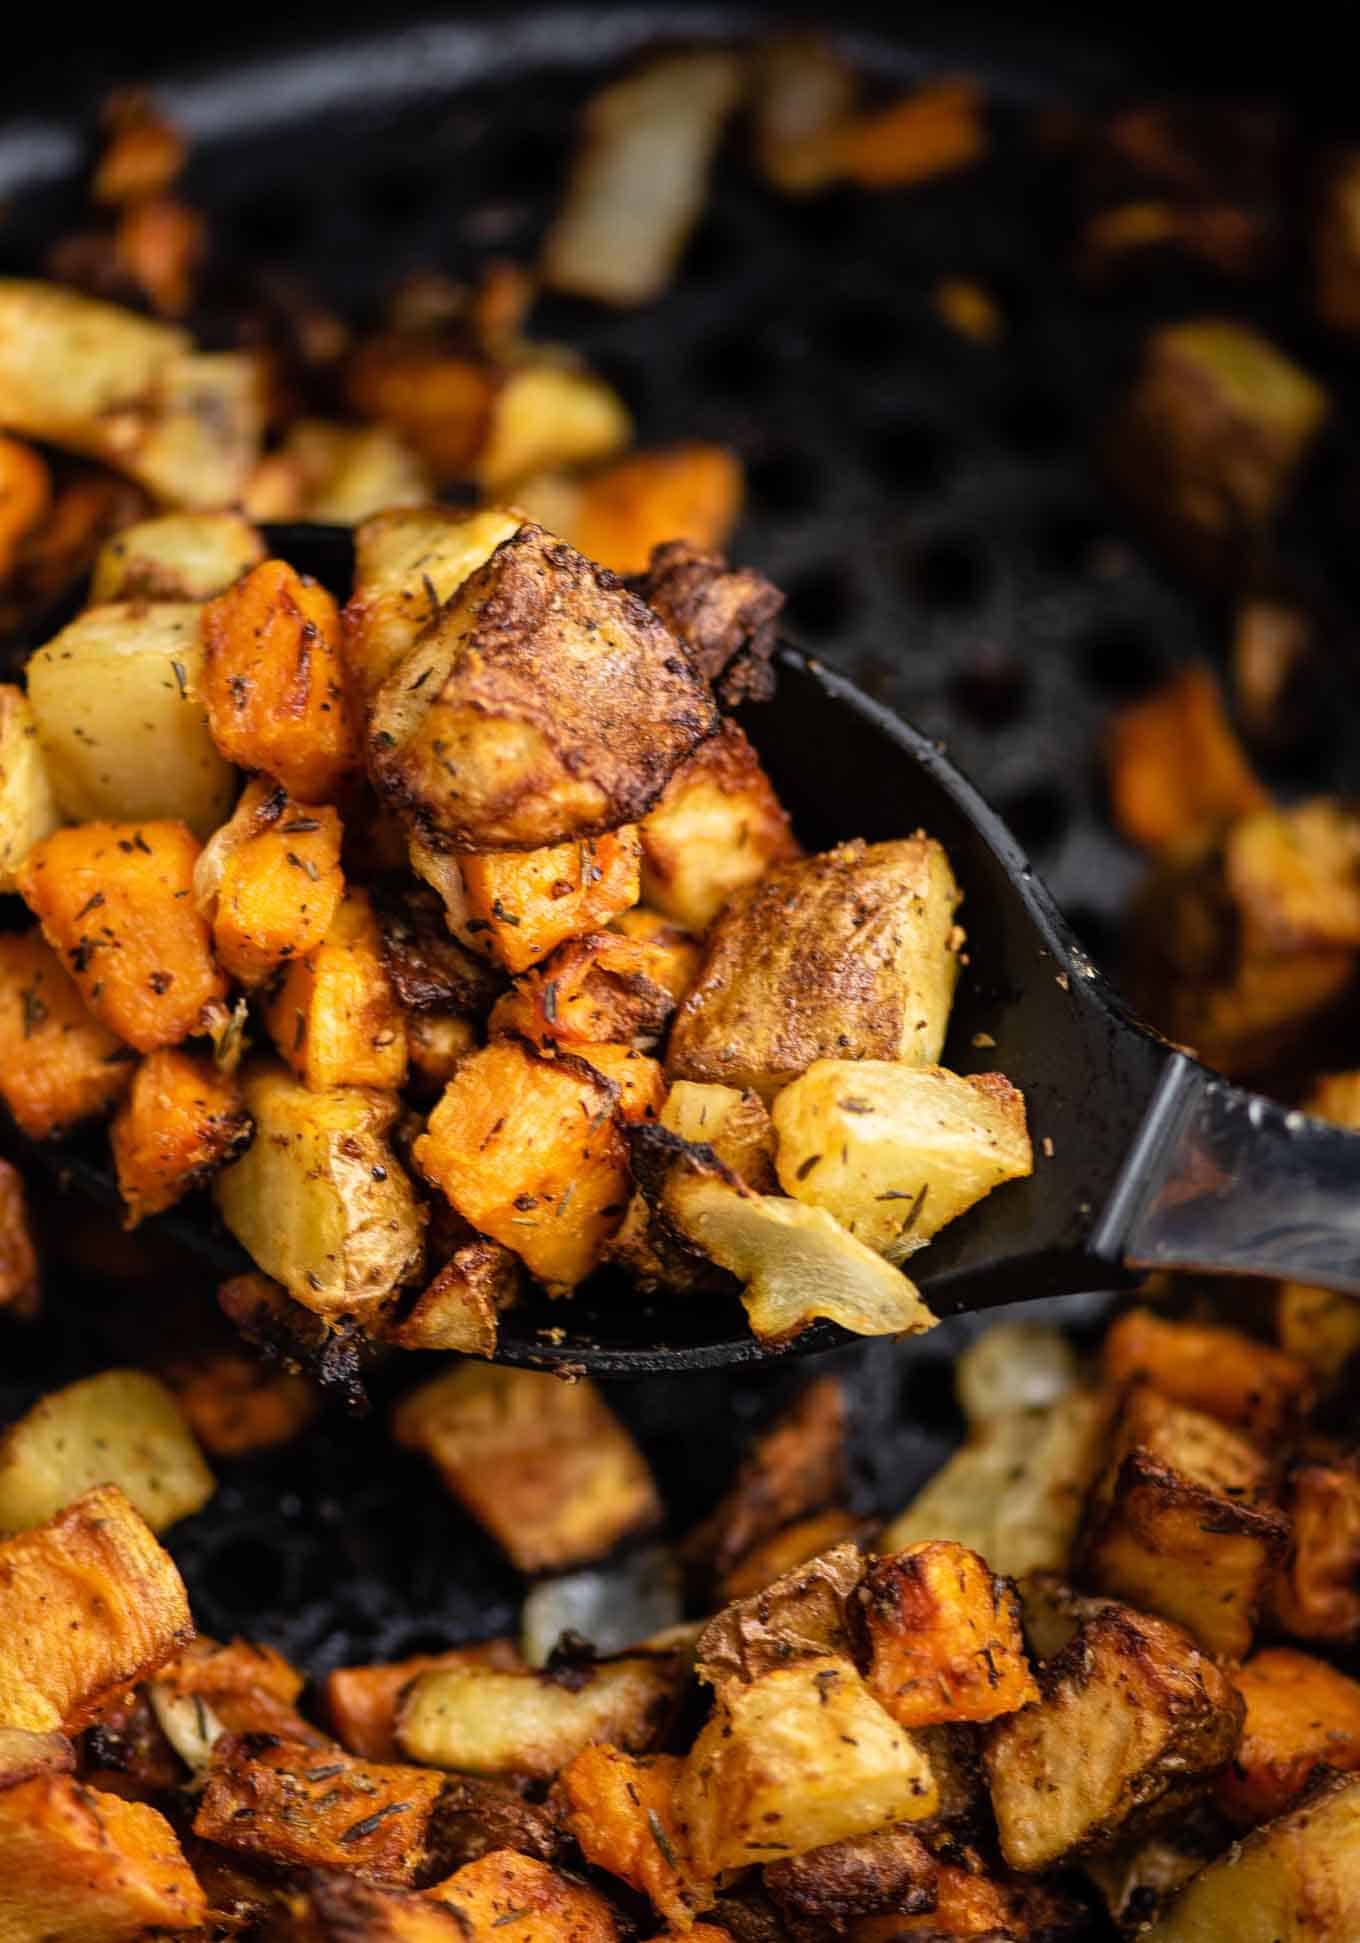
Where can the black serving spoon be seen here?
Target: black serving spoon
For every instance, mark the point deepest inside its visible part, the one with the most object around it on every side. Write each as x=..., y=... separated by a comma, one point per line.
x=1143, y=1158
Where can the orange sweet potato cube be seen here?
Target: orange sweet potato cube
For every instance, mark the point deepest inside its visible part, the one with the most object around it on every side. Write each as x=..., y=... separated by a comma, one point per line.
x=1316, y=1594
x=525, y=902
x=601, y=988
x=335, y=1017
x=362, y=1700
x=1228, y=1375
x=58, y=1064
x=269, y=881
x=182, y=1120
x=115, y=900
x=1301, y=1715
x=621, y=1809
x=620, y=513
x=76, y=1865
x=1176, y=768
x=529, y=1152
x=273, y=681
x=505, y=1897
x=944, y=1637
x=641, y=1081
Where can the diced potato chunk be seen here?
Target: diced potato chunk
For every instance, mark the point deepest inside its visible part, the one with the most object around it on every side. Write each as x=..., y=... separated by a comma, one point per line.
x=273, y=681
x=181, y=1122
x=549, y=414
x=92, y=1604
x=1178, y=1522
x=58, y=1064
x=319, y=1201
x=407, y=564
x=852, y=954
x=894, y=1152
x=121, y=1427
x=1261, y=1390
x=177, y=557
x=1177, y=770
x=117, y=698
x=1316, y=1594
x=1295, y=877
x=462, y=1306
x=334, y=1017
x=943, y=1637
x=362, y=1701
x=77, y=1866
x=319, y=1808
x=527, y=1723
x=527, y=1150
x=798, y=1758
x=717, y=828
x=622, y=1812
x=508, y=1898
x=28, y=809
x=1301, y=1714
x=116, y=900
x=1132, y=1719
x=269, y=882
x=545, y=1466
x=806, y=1615
x=348, y=473
x=724, y=615
x=545, y=703
x=1297, y=1880
x=522, y=903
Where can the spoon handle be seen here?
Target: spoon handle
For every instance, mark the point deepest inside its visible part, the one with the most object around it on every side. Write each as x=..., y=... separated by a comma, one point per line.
x=1227, y=1182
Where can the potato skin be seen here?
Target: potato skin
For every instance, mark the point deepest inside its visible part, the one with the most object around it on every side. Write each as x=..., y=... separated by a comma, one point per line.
x=849, y=955
x=545, y=704
x=890, y=1870
x=1316, y=1592
x=58, y=1064
x=182, y=1120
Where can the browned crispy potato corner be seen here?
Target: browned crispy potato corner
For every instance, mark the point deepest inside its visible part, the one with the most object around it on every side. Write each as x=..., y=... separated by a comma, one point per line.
x=1302, y=1715
x=724, y=615
x=621, y=1809
x=76, y=1866
x=1316, y=1591
x=717, y=828
x=182, y=1120
x=505, y=1897
x=361, y=1701
x=598, y=989
x=20, y=1285
x=318, y=1807
x=1132, y=1718
x=93, y=1604
x=975, y=1898
x=115, y=900
x=546, y=703
x=545, y=1466
x=269, y=881
x=176, y=557
x=943, y=1637
x=802, y=1616
x=461, y=1308
x=890, y=1872
x=849, y=955
x=1261, y=1390
x=1177, y=771
x=334, y=1016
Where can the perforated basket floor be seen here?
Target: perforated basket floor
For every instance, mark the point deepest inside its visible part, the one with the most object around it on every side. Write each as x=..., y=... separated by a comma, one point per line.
x=926, y=501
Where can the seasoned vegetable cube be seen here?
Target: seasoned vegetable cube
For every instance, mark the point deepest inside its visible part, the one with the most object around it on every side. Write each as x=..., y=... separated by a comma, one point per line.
x=179, y=557
x=362, y=1701
x=1295, y=877
x=1176, y=769
x=58, y=1064
x=943, y=1637
x=28, y=810
x=519, y=904
x=269, y=881
x=1260, y=1390
x=621, y=1809
x=407, y=563
x=509, y=1898
x=334, y=1017
x=1301, y=1715
x=182, y=1121
x=1316, y=1594
x=717, y=828
x=78, y=1866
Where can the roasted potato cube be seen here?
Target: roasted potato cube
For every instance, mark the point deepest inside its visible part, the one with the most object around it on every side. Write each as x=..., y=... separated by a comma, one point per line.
x=508, y=1898
x=795, y=1263
x=176, y=557
x=77, y=1866
x=717, y=829
x=544, y=704
x=1013, y=1493
x=461, y=1308
x=92, y=1605
x=25, y=498
x=334, y=1017
x=407, y=564
x=724, y=615
x=20, y=1285
x=795, y=1466
x=1301, y=1715
x=115, y=900
x=28, y=809
x=520, y=904
x=1336, y=244
x=273, y=681
x=235, y=1404
x=1316, y=1593
x=545, y=1466
x=545, y=413
x=738, y=1129
x=91, y=378
x=1319, y=1328
x=803, y=1616
x=318, y=1200
x=1014, y=1365
x=341, y=1909
x=1297, y=1880
x=793, y=1545
x=619, y=513
x=890, y=1870
x=943, y=1637
x=24, y=1754
x=1132, y=1717
x=1177, y=771
x=121, y=1427
x=318, y=1808
x=1260, y=1390
x=852, y=954
x=182, y=1121
x=117, y=699
x=58, y=1064
x=349, y=473
x=483, y=1721
x=1209, y=440
x=527, y=1150
x=361, y=1701
x=1178, y=1522
x=801, y=1757
x=269, y=881
x=894, y=1152
x=621, y=1810
x=1295, y=877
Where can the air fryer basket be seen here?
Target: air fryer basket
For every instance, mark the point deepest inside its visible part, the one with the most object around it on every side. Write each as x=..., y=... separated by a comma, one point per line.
x=926, y=501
